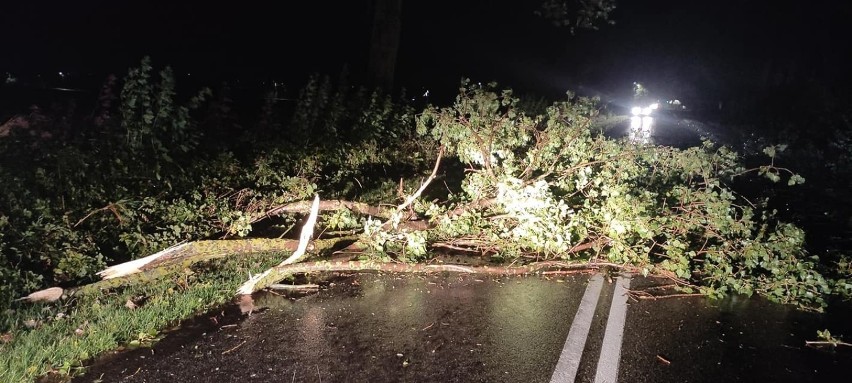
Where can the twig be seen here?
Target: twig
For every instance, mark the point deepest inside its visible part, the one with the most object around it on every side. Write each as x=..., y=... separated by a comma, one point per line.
x=566, y=272
x=826, y=343
x=282, y=287
x=134, y=374
x=234, y=348
x=655, y=297
x=663, y=360
x=110, y=207
x=661, y=287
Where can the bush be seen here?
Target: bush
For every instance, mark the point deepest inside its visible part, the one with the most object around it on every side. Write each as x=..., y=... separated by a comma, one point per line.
x=133, y=178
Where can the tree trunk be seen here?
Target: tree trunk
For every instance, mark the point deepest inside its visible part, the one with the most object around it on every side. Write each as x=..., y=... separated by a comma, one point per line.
x=384, y=42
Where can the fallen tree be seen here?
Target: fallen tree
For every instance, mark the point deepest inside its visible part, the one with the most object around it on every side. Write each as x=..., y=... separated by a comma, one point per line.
x=521, y=193
x=546, y=188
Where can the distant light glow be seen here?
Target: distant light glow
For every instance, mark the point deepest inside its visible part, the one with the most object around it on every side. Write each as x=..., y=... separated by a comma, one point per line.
x=644, y=111
x=635, y=123
x=646, y=123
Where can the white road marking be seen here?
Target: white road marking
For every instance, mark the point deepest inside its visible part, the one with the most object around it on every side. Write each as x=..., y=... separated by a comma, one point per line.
x=569, y=360
x=607, y=371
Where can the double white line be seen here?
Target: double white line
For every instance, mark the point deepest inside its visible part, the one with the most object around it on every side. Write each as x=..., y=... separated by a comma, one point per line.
x=569, y=359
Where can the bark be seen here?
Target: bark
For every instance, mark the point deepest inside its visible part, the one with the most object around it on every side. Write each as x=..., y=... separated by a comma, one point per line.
x=199, y=251
x=303, y=207
x=474, y=205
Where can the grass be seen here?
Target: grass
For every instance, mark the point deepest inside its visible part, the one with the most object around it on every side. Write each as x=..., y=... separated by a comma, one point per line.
x=68, y=333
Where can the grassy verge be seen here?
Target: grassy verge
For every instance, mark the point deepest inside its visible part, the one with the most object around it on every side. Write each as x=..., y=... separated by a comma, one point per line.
x=56, y=338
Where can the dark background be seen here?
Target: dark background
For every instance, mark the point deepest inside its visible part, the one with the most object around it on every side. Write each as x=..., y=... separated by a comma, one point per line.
x=702, y=51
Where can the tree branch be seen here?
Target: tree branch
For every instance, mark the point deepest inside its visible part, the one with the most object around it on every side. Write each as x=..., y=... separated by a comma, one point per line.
x=278, y=273
x=416, y=194
x=330, y=205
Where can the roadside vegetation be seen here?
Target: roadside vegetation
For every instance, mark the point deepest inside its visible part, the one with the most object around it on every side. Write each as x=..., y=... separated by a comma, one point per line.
x=148, y=169
x=54, y=338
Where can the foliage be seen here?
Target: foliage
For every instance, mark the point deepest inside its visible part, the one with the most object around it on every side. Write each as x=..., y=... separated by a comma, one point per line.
x=822, y=154
x=557, y=187
x=343, y=219
x=577, y=14
x=827, y=339
x=135, y=178
x=152, y=121
x=338, y=136
x=75, y=196
x=841, y=274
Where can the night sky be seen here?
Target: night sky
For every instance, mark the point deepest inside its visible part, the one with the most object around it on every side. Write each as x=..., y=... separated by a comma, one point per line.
x=677, y=48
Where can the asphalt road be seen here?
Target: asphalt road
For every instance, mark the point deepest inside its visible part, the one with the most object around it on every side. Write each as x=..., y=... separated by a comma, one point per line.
x=464, y=328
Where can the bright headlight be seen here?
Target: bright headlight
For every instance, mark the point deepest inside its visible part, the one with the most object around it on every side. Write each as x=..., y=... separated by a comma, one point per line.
x=636, y=111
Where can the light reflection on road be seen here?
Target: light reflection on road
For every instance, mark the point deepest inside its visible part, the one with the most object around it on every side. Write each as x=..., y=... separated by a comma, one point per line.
x=641, y=128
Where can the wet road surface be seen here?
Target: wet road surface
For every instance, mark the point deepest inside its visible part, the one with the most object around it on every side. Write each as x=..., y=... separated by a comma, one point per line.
x=732, y=340
x=451, y=328
x=463, y=328
x=669, y=129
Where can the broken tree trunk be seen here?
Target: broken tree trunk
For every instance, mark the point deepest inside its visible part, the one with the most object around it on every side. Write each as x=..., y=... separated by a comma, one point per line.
x=191, y=253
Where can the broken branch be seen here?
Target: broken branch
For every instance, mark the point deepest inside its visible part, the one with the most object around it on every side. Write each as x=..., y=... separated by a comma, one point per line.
x=304, y=238
x=414, y=196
